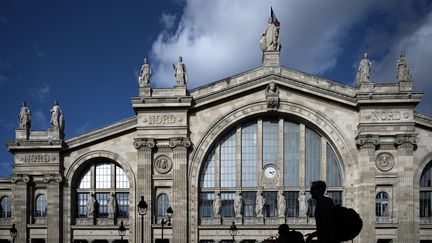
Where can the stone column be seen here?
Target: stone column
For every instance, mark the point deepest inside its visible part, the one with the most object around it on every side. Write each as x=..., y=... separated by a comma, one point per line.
x=366, y=187
x=405, y=189
x=180, y=181
x=20, y=201
x=54, y=217
x=144, y=186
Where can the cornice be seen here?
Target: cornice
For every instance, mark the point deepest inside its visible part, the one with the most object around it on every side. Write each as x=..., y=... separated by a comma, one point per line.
x=423, y=119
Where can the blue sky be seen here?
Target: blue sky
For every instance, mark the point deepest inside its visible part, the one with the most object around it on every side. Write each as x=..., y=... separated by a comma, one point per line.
x=87, y=54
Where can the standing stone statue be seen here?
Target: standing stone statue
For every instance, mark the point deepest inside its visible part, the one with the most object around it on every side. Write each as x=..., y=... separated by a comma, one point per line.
x=57, y=119
x=364, y=70
x=259, y=204
x=272, y=96
x=281, y=204
x=238, y=203
x=91, y=206
x=112, y=206
x=269, y=40
x=145, y=74
x=24, y=119
x=180, y=72
x=303, y=205
x=217, y=206
x=402, y=71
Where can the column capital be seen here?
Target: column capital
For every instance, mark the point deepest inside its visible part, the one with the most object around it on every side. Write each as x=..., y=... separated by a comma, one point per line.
x=52, y=178
x=18, y=178
x=183, y=142
x=406, y=141
x=367, y=141
x=144, y=143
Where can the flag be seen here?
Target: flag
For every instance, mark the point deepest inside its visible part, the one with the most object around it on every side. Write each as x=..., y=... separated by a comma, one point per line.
x=275, y=21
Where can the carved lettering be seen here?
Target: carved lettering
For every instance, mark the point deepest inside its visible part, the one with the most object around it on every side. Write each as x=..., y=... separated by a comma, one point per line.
x=385, y=116
x=161, y=119
x=41, y=158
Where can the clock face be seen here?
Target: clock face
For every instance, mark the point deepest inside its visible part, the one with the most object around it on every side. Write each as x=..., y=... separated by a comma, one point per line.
x=270, y=172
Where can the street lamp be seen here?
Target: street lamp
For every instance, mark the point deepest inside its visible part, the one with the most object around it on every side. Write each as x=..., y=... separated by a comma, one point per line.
x=122, y=230
x=163, y=222
x=233, y=230
x=142, y=210
x=13, y=232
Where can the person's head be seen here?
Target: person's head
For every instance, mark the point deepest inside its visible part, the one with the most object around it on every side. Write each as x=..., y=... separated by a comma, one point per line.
x=270, y=20
x=180, y=59
x=56, y=102
x=318, y=189
x=365, y=55
x=24, y=104
x=283, y=229
x=145, y=61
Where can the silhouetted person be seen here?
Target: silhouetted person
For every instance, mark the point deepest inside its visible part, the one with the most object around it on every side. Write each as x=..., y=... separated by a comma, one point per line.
x=325, y=229
x=287, y=236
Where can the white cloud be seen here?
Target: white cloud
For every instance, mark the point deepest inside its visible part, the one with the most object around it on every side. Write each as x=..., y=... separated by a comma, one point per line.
x=42, y=92
x=168, y=20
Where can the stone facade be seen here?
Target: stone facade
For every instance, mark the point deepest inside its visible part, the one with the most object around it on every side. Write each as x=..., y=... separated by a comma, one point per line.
x=381, y=142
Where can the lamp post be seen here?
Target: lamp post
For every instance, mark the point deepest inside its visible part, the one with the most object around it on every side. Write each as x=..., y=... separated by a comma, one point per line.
x=163, y=222
x=142, y=210
x=233, y=230
x=122, y=231
x=13, y=232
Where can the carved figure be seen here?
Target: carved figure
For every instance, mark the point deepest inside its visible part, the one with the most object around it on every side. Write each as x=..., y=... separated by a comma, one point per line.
x=402, y=71
x=24, y=119
x=57, y=119
x=364, y=70
x=112, y=206
x=303, y=204
x=238, y=203
x=272, y=96
x=281, y=204
x=180, y=72
x=217, y=206
x=145, y=74
x=91, y=206
x=259, y=204
x=269, y=40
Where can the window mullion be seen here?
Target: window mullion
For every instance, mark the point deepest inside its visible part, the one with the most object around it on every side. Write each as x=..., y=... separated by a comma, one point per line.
x=281, y=161
x=260, y=152
x=323, y=159
x=302, y=157
x=238, y=158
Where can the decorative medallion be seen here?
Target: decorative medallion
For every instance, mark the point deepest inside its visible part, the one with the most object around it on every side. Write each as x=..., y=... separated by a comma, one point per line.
x=163, y=164
x=384, y=162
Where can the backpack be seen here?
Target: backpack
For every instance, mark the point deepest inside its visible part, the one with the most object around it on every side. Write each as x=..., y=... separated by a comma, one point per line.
x=348, y=223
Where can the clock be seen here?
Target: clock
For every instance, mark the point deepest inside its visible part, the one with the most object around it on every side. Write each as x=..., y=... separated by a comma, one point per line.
x=270, y=172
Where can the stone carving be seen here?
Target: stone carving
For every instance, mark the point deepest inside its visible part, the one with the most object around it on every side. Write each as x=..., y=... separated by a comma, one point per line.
x=406, y=141
x=57, y=119
x=402, y=71
x=145, y=74
x=270, y=40
x=180, y=72
x=144, y=142
x=217, y=206
x=367, y=141
x=20, y=178
x=179, y=142
x=24, y=120
x=281, y=204
x=303, y=204
x=364, y=70
x=272, y=96
x=92, y=206
x=163, y=165
x=384, y=162
x=238, y=204
x=112, y=206
x=53, y=177
x=259, y=204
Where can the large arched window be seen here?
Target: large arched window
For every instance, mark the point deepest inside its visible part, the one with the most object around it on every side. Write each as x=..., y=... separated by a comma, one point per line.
x=426, y=192
x=5, y=207
x=382, y=204
x=162, y=205
x=103, y=178
x=267, y=154
x=41, y=206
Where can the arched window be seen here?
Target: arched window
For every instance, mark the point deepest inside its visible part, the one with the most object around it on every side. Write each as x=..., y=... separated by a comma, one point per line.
x=382, y=204
x=103, y=177
x=5, y=207
x=269, y=152
x=162, y=205
x=426, y=192
x=41, y=206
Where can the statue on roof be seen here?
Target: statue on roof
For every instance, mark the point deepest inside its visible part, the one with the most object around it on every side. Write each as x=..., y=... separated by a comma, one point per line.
x=269, y=40
x=180, y=72
x=57, y=119
x=402, y=71
x=364, y=70
x=145, y=74
x=24, y=119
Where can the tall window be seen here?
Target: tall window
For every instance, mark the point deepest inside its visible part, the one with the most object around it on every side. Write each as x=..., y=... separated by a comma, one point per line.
x=162, y=205
x=382, y=204
x=41, y=206
x=249, y=155
x=228, y=161
x=5, y=207
x=103, y=177
x=426, y=192
x=270, y=142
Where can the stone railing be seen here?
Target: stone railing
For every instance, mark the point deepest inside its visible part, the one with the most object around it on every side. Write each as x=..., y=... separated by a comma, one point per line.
x=383, y=220
x=258, y=221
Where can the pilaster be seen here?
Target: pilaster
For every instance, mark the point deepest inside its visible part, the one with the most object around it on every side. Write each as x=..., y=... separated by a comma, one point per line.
x=54, y=222
x=21, y=213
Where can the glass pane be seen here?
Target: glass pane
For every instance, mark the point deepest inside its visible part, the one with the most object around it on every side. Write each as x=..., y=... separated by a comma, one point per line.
x=333, y=170
x=249, y=155
x=227, y=204
x=291, y=154
x=228, y=161
x=249, y=199
x=336, y=196
x=162, y=204
x=85, y=180
x=292, y=210
x=102, y=199
x=425, y=204
x=121, y=178
x=5, y=209
x=311, y=205
x=103, y=176
x=41, y=206
x=270, y=204
x=123, y=204
x=381, y=204
x=313, y=157
x=82, y=204
x=270, y=142
x=206, y=204
x=426, y=178
x=208, y=172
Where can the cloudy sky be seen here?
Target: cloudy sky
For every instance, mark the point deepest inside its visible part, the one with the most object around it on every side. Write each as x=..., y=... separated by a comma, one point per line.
x=87, y=54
